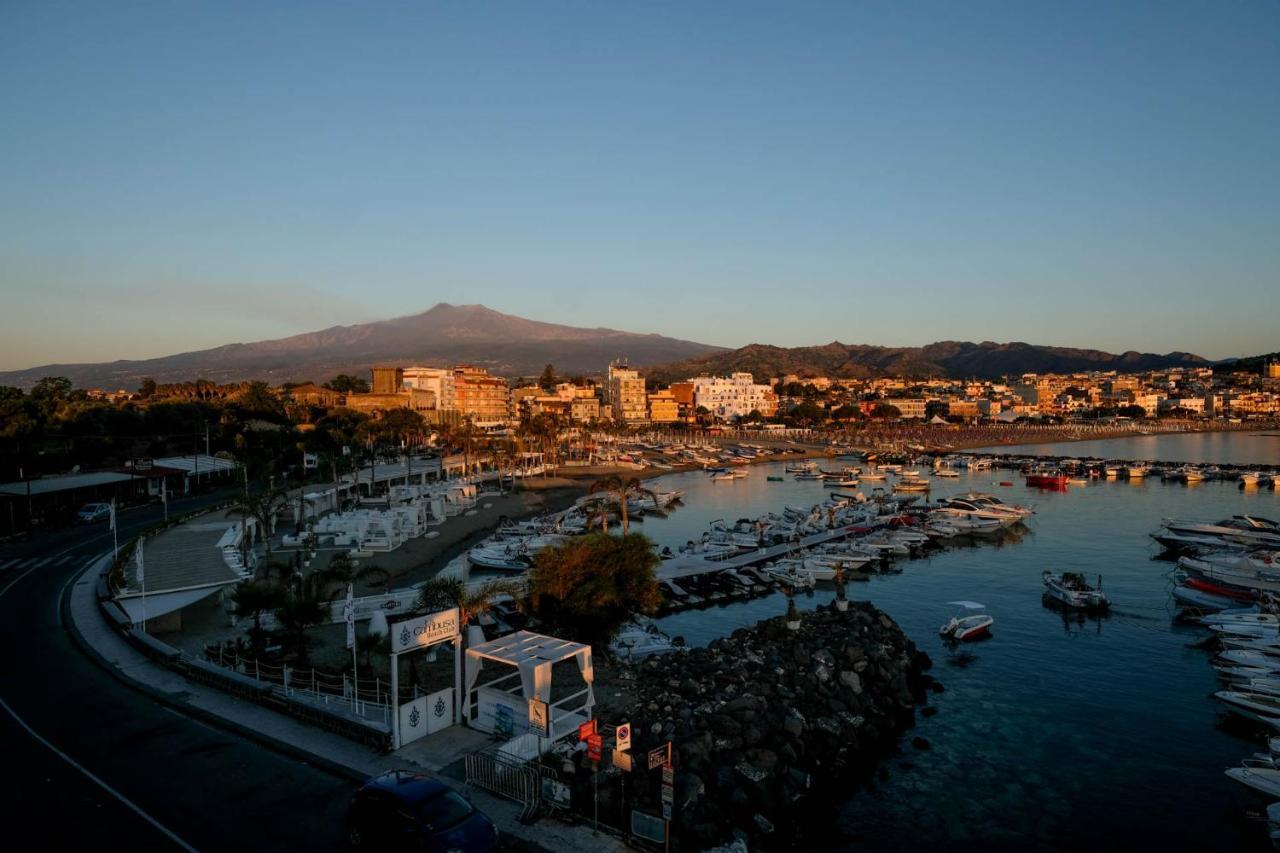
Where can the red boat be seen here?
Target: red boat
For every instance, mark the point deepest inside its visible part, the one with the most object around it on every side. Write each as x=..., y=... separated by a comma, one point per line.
x=1046, y=478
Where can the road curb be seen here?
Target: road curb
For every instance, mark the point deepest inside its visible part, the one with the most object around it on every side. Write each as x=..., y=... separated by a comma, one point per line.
x=209, y=717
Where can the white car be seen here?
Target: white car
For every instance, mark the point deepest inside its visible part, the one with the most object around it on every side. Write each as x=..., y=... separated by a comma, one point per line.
x=89, y=513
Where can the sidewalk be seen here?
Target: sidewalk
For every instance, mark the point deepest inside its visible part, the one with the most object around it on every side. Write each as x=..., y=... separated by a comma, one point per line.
x=331, y=752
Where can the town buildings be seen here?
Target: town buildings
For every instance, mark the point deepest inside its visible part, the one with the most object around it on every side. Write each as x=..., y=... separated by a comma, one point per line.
x=625, y=389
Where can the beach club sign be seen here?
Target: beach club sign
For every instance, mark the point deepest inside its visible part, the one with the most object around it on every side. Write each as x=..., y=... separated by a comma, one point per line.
x=424, y=631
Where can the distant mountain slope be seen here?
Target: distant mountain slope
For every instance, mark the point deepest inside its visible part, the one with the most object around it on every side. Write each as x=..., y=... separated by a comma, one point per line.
x=446, y=334
x=1251, y=364
x=946, y=358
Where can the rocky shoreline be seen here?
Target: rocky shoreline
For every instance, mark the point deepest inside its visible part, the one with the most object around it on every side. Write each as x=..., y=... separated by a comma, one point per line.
x=766, y=720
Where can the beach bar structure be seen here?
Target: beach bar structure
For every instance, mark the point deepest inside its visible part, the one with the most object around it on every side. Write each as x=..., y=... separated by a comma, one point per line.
x=500, y=706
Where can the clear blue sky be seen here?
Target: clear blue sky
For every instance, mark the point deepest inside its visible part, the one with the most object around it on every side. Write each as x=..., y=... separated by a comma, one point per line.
x=179, y=175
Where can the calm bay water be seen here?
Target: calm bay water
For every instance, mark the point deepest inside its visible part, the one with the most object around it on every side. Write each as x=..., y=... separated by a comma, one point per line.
x=1065, y=732
x=1213, y=448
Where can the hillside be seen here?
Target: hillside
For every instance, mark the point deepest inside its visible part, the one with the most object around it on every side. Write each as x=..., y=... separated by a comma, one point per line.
x=446, y=334
x=957, y=359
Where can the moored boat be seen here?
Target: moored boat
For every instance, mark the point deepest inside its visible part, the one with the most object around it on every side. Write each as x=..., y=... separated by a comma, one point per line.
x=1072, y=590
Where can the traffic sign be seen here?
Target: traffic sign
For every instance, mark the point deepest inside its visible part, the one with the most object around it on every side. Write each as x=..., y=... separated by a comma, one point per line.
x=595, y=747
x=622, y=761
x=666, y=811
x=668, y=794
x=623, y=737
x=587, y=729
x=659, y=756
x=539, y=718
x=668, y=774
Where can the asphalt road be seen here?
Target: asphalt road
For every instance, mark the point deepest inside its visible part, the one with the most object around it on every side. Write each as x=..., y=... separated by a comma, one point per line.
x=190, y=785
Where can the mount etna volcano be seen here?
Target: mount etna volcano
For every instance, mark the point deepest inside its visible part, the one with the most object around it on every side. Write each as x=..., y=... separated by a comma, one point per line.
x=446, y=334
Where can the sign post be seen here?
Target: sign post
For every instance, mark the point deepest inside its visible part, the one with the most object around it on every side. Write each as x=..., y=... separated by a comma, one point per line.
x=539, y=720
x=419, y=633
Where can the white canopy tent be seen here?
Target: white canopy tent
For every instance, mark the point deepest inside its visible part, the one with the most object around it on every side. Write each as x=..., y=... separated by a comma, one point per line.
x=501, y=706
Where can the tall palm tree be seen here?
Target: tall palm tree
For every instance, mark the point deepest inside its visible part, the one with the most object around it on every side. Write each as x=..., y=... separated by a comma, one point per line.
x=342, y=570
x=302, y=607
x=620, y=490
x=454, y=592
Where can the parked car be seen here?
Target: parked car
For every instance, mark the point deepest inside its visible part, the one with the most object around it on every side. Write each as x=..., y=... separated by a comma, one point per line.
x=89, y=513
x=400, y=806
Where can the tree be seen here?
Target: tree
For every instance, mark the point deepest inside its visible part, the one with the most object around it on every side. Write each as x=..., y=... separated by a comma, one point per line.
x=885, y=411
x=344, y=383
x=148, y=388
x=847, y=412
x=254, y=598
x=262, y=508
x=548, y=379
x=342, y=570
x=620, y=490
x=302, y=607
x=587, y=587
x=442, y=593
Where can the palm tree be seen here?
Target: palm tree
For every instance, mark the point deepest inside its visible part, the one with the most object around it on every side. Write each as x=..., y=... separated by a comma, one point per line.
x=262, y=508
x=302, y=608
x=440, y=593
x=368, y=645
x=342, y=570
x=254, y=598
x=620, y=490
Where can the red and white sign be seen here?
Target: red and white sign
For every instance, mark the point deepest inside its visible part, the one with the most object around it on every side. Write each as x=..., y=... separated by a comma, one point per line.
x=623, y=737
x=587, y=729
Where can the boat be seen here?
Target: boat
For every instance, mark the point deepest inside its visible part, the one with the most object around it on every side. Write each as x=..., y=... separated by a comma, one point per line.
x=640, y=639
x=964, y=629
x=1046, y=478
x=773, y=479
x=949, y=473
x=1072, y=590
x=1261, y=779
x=1201, y=600
x=1137, y=471
x=1258, y=707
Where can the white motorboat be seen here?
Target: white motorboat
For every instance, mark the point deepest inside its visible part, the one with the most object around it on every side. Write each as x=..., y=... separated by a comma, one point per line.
x=641, y=639
x=1072, y=590
x=966, y=629
x=503, y=559
x=1259, y=707
x=1247, y=617
x=1261, y=779
x=790, y=575
x=948, y=473
x=1137, y=471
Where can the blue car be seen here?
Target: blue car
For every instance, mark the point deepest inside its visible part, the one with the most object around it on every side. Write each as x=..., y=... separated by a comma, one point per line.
x=401, y=806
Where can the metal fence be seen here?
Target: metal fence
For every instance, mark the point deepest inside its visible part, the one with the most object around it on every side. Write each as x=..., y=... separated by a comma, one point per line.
x=369, y=698
x=507, y=776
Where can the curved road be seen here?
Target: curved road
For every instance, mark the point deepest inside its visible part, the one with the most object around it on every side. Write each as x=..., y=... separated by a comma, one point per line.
x=72, y=734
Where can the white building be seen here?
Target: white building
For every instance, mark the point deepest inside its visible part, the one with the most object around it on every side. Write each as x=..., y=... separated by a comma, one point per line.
x=729, y=397
x=438, y=380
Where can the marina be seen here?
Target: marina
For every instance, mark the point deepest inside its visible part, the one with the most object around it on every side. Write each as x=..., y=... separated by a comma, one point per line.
x=1059, y=704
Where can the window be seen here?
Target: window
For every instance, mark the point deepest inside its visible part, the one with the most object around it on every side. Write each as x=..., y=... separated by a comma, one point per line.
x=445, y=810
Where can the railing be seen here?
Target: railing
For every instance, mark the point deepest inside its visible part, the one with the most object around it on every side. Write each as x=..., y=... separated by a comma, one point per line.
x=367, y=698
x=508, y=777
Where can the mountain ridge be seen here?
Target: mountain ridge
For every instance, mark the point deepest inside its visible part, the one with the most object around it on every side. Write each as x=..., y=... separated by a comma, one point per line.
x=950, y=359
x=443, y=334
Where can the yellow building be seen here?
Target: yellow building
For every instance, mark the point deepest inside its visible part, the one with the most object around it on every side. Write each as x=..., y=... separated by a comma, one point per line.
x=663, y=407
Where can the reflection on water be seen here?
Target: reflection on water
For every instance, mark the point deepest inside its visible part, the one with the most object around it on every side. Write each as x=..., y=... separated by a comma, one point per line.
x=1209, y=448
x=1061, y=730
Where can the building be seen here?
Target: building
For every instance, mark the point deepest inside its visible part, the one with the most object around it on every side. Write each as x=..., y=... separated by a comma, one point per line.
x=483, y=398
x=407, y=398
x=663, y=407
x=1271, y=370
x=387, y=380
x=311, y=394
x=732, y=397
x=438, y=380
x=627, y=400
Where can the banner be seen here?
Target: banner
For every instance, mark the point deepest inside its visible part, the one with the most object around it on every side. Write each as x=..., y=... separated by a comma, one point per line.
x=349, y=616
x=142, y=577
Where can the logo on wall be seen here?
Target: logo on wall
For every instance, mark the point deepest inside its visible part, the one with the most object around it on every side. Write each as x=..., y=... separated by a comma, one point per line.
x=405, y=636
x=440, y=707
x=414, y=718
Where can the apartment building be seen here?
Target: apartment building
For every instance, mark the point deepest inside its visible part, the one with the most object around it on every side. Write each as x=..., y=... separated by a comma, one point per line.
x=483, y=398
x=663, y=407
x=437, y=380
x=731, y=397
x=628, y=402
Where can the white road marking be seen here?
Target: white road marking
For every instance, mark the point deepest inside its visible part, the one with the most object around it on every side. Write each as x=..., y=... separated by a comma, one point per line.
x=164, y=830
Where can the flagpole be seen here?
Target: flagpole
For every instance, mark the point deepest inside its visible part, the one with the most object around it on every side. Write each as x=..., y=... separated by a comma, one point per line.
x=115, y=539
x=142, y=582
x=349, y=616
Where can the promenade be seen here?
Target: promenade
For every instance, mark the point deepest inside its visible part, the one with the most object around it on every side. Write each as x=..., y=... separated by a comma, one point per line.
x=436, y=755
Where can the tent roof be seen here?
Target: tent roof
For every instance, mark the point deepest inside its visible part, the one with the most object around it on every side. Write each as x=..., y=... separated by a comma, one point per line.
x=523, y=646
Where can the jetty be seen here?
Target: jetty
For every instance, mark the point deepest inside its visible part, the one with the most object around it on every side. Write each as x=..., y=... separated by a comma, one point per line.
x=691, y=565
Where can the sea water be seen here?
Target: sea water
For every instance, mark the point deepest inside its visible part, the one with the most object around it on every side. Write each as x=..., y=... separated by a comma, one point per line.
x=1064, y=731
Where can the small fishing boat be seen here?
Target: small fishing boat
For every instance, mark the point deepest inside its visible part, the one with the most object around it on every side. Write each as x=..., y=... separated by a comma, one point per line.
x=964, y=629
x=1046, y=478
x=1072, y=590
x=1201, y=600
x=773, y=479
x=948, y=473
x=640, y=639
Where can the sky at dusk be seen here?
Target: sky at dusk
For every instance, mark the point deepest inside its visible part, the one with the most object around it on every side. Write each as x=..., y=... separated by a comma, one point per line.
x=175, y=176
